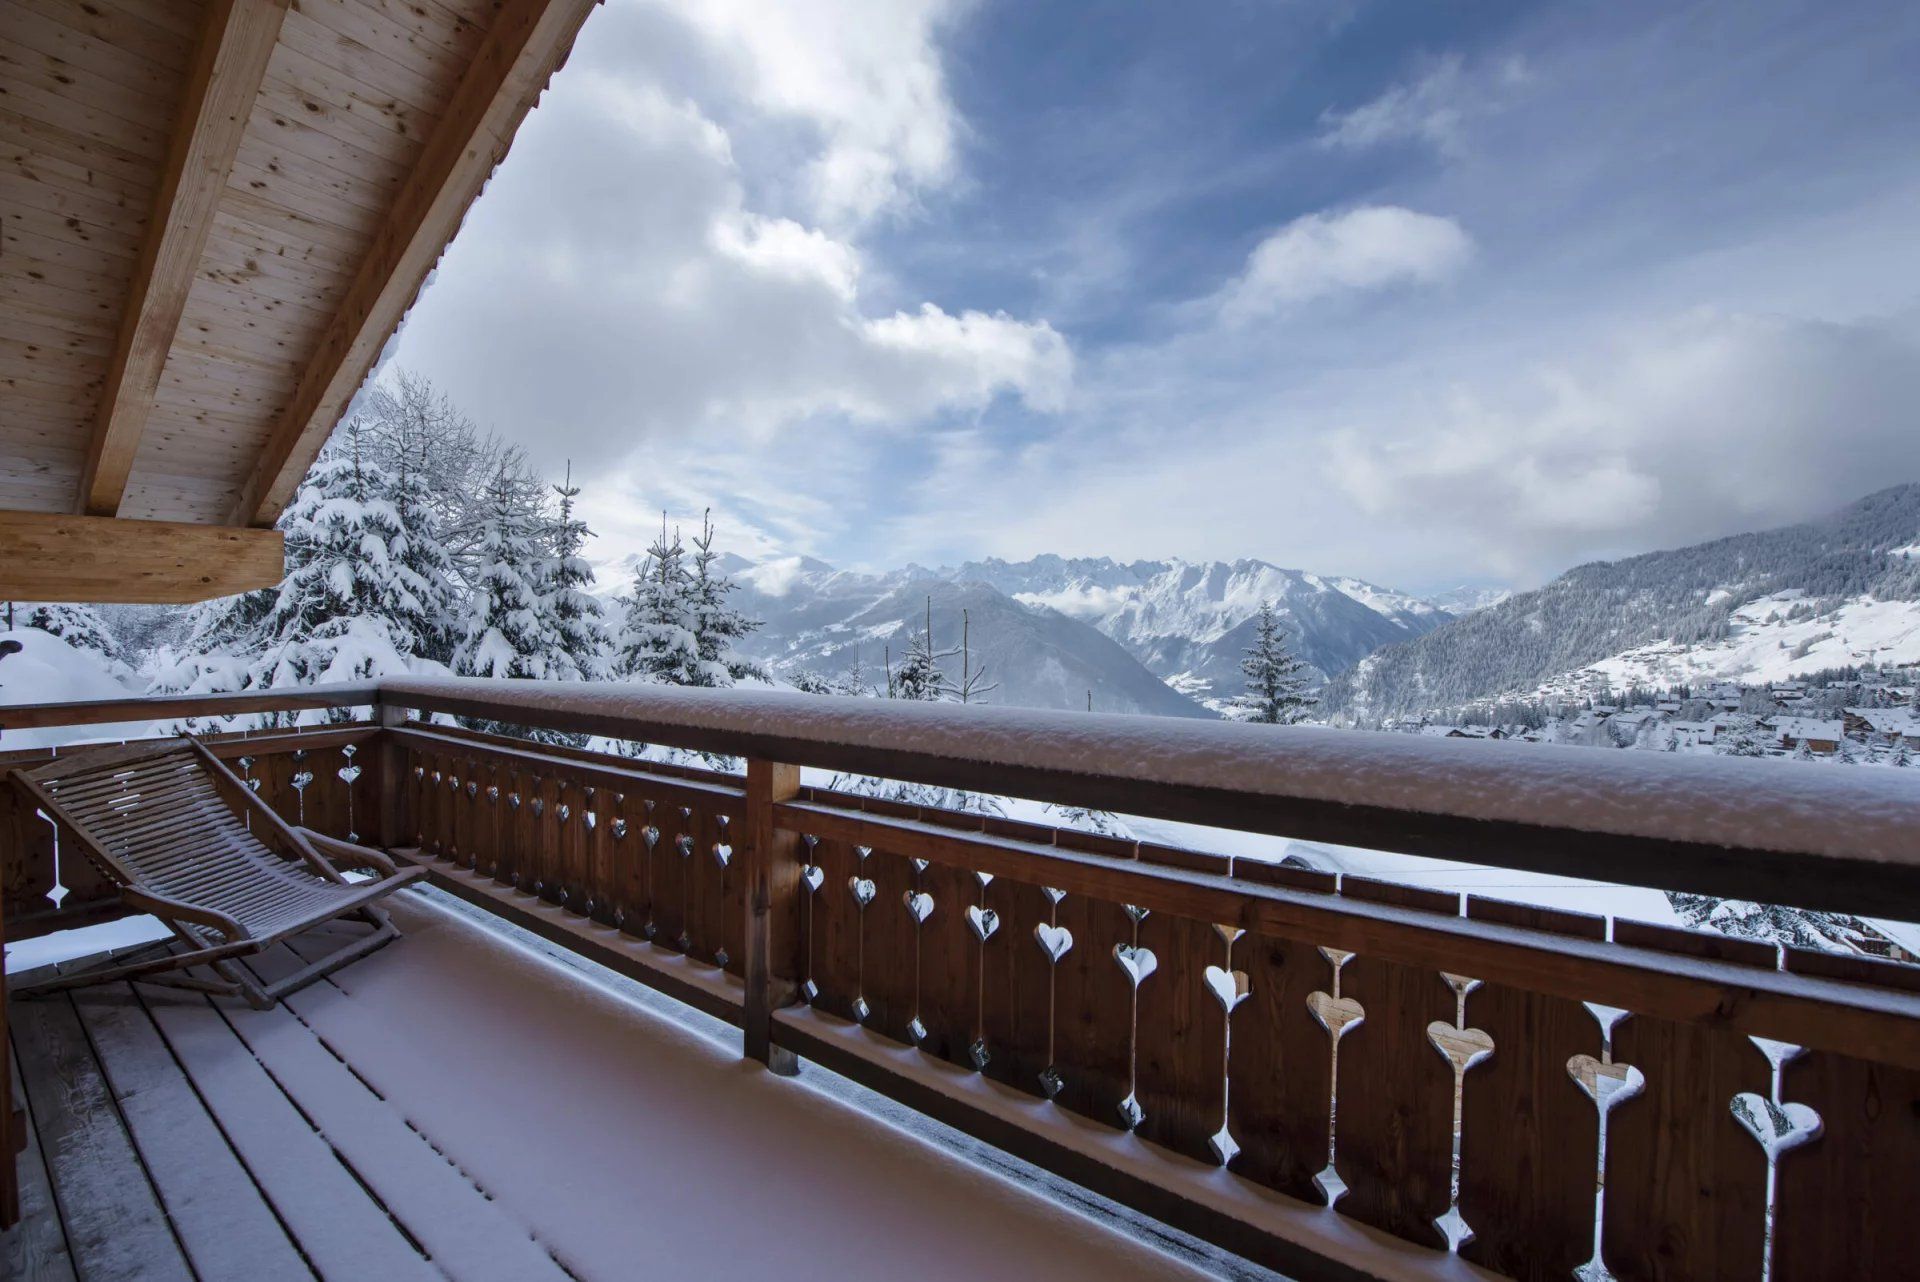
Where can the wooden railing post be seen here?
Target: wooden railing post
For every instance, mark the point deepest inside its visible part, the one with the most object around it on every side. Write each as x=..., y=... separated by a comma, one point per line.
x=390, y=761
x=773, y=911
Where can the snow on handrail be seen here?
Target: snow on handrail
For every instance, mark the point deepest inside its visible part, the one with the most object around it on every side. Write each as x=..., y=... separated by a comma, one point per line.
x=1861, y=816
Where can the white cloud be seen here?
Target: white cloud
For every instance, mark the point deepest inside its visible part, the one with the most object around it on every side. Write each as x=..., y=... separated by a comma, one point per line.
x=864, y=73
x=1710, y=423
x=1433, y=109
x=618, y=287
x=1368, y=248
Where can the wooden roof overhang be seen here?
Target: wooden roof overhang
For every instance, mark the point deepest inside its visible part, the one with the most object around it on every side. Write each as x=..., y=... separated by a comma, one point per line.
x=213, y=215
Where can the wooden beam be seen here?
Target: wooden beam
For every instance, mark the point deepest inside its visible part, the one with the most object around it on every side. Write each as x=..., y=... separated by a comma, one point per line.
x=51, y=557
x=526, y=44
x=237, y=38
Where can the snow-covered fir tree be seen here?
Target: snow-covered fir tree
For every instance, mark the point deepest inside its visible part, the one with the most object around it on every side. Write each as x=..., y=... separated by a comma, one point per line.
x=1742, y=738
x=716, y=625
x=920, y=676
x=80, y=626
x=1276, y=681
x=657, y=641
x=425, y=562
x=506, y=633
x=582, y=646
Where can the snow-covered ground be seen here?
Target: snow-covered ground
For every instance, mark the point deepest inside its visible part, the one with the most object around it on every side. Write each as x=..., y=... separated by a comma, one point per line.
x=1765, y=645
x=48, y=670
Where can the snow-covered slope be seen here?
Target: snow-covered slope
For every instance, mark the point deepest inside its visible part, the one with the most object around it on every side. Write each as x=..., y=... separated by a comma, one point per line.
x=1770, y=638
x=1693, y=611
x=48, y=670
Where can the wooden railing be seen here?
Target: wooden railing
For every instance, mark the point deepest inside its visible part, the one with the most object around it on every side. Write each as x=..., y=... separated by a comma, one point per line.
x=1481, y=1088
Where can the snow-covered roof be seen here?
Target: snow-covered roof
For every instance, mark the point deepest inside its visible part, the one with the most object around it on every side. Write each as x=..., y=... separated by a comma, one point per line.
x=1728, y=801
x=1808, y=728
x=1902, y=721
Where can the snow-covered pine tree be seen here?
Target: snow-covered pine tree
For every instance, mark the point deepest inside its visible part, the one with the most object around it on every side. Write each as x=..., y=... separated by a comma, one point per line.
x=426, y=566
x=920, y=676
x=657, y=641
x=1741, y=739
x=581, y=642
x=1276, y=681
x=350, y=608
x=80, y=626
x=505, y=635
x=716, y=625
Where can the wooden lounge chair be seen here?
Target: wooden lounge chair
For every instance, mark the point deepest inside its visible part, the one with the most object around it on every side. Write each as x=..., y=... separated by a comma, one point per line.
x=187, y=841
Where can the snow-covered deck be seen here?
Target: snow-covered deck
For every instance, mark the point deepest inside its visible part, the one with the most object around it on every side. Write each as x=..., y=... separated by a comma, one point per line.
x=461, y=1105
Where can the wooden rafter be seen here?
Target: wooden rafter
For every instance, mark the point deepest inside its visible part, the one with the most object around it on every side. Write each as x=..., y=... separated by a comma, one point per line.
x=47, y=556
x=237, y=39
x=527, y=42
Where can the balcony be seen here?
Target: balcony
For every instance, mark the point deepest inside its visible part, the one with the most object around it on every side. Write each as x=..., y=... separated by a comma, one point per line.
x=1215, y=1047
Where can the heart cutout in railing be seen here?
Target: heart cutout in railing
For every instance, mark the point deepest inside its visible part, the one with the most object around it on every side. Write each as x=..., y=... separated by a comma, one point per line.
x=539, y=806
x=246, y=763
x=1605, y=1084
x=1461, y=1047
x=983, y=920
x=722, y=853
x=473, y=788
x=301, y=780
x=1229, y=987
x=1779, y=1128
x=565, y=812
x=619, y=827
x=862, y=888
x=984, y=878
x=1053, y=896
x=513, y=801
x=1137, y=962
x=348, y=774
x=651, y=835
x=684, y=844
x=863, y=851
x=590, y=819
x=813, y=875
x=1338, y=1015
x=493, y=792
x=1054, y=941
x=919, y=865
x=1136, y=912
x=919, y=904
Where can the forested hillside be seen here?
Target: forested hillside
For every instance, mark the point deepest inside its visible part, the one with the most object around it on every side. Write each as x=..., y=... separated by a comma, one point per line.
x=1685, y=595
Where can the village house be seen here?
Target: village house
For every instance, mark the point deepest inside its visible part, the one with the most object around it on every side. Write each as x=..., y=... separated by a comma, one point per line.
x=1821, y=737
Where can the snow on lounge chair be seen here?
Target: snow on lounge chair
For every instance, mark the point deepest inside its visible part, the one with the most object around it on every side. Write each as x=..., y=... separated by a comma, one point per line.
x=229, y=879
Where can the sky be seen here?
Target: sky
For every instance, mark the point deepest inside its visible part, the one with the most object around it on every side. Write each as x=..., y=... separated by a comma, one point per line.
x=1427, y=293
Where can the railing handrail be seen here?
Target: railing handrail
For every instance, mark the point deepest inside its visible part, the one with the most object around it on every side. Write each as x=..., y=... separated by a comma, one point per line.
x=1841, y=840
x=168, y=707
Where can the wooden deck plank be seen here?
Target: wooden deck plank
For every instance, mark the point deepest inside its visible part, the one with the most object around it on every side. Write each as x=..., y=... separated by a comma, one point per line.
x=472, y=1238
x=343, y=1231
x=222, y=1218
x=115, y=1225
x=35, y=1249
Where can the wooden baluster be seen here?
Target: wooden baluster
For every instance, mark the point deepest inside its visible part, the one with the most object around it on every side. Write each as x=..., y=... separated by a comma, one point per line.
x=1686, y=1185
x=1393, y=1144
x=1181, y=1068
x=605, y=891
x=769, y=869
x=891, y=974
x=712, y=920
x=547, y=852
x=508, y=869
x=1280, y=1077
x=488, y=805
x=1848, y=1195
x=460, y=812
x=1093, y=1011
x=627, y=847
x=949, y=1004
x=670, y=854
x=1529, y=1135
x=1016, y=1011
x=835, y=922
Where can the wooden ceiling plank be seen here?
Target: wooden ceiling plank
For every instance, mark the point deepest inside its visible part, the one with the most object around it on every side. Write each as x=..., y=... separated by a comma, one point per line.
x=527, y=42
x=47, y=556
x=222, y=82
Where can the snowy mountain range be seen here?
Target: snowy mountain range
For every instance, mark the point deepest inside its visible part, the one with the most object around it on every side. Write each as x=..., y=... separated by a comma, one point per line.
x=1749, y=608
x=1150, y=636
